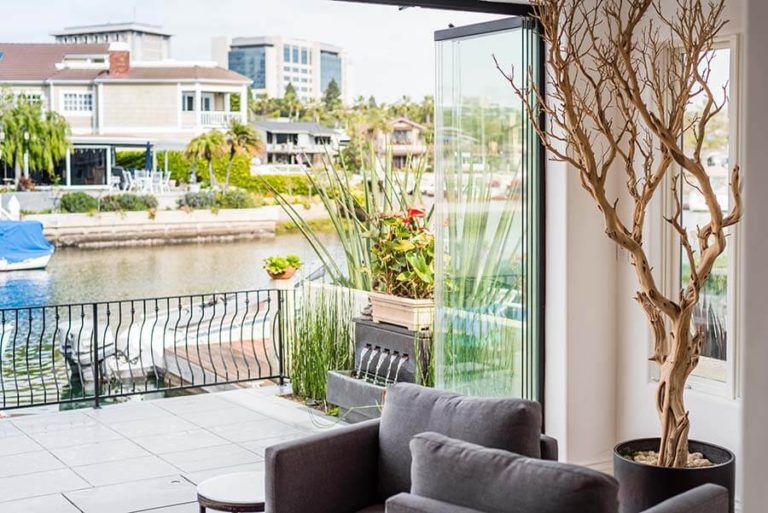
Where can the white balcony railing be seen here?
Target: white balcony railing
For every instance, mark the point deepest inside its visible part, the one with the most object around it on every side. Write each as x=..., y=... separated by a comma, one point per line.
x=214, y=119
x=299, y=148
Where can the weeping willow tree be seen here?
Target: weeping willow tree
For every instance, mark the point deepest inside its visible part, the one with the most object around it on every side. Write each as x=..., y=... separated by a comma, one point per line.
x=622, y=75
x=46, y=141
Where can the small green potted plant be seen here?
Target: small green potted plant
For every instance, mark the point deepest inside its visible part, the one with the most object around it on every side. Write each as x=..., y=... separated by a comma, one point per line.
x=282, y=267
x=403, y=270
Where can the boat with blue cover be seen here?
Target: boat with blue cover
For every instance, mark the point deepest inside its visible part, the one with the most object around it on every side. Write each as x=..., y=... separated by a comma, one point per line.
x=23, y=246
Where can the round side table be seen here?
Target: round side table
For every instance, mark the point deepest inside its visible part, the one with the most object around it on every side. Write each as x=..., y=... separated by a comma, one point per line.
x=242, y=492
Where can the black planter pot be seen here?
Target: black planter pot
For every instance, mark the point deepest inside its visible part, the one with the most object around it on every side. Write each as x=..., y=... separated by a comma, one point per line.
x=643, y=486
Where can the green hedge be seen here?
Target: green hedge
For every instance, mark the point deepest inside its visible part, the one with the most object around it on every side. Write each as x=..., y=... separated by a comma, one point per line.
x=78, y=203
x=232, y=198
x=181, y=167
x=128, y=203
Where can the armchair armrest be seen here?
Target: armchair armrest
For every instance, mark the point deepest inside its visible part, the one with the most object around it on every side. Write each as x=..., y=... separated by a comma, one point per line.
x=407, y=503
x=548, y=448
x=333, y=472
x=708, y=498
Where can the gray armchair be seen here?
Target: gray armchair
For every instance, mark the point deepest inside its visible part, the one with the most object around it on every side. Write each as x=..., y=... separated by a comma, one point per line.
x=452, y=476
x=357, y=468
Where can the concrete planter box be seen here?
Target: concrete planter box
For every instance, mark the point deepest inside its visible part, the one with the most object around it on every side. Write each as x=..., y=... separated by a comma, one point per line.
x=412, y=314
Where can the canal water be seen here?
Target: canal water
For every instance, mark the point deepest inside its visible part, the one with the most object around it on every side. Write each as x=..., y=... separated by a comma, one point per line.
x=90, y=275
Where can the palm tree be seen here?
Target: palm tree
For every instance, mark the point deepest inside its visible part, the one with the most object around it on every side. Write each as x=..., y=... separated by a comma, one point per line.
x=207, y=147
x=241, y=139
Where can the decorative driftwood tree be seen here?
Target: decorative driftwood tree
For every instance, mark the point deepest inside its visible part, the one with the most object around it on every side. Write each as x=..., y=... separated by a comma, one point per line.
x=622, y=75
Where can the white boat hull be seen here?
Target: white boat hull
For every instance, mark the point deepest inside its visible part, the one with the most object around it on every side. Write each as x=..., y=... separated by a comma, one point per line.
x=25, y=265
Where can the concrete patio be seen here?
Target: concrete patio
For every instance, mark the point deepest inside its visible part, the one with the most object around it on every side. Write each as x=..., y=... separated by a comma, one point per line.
x=142, y=455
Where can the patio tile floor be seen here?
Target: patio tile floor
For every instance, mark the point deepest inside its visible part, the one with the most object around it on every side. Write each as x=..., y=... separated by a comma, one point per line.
x=142, y=455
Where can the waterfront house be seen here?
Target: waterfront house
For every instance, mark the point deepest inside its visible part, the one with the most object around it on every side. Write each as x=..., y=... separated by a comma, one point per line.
x=404, y=140
x=112, y=100
x=290, y=142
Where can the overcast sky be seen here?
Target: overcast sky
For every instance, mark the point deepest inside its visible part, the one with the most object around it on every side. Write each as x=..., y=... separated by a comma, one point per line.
x=391, y=51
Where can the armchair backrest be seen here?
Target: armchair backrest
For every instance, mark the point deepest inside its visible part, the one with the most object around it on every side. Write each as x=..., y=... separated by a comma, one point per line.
x=509, y=424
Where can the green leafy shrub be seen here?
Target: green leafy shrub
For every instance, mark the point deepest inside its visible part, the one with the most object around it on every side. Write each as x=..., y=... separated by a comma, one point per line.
x=128, y=203
x=180, y=167
x=231, y=198
x=234, y=198
x=78, y=203
x=197, y=200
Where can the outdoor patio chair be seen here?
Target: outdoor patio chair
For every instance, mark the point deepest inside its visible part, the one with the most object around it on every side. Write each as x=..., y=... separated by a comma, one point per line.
x=357, y=468
x=452, y=476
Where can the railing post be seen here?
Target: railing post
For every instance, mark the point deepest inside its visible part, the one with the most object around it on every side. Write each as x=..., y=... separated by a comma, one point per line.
x=280, y=334
x=95, y=359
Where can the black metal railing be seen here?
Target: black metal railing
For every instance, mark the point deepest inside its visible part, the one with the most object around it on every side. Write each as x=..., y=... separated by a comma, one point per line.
x=92, y=352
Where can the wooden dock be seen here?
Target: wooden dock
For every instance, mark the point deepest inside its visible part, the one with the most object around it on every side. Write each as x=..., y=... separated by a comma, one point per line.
x=221, y=362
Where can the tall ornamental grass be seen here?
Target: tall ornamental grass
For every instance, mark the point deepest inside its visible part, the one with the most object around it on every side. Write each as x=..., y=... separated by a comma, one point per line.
x=323, y=337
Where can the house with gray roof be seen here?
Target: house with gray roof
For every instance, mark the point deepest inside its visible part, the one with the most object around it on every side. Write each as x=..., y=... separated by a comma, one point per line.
x=289, y=142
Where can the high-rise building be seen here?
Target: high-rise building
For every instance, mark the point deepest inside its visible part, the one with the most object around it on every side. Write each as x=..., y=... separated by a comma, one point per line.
x=274, y=62
x=145, y=42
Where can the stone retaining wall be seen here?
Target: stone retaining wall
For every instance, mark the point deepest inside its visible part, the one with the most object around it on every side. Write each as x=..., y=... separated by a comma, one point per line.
x=115, y=229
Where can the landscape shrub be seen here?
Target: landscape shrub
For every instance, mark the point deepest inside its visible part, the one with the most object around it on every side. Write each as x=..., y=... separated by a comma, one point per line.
x=197, y=200
x=78, y=203
x=231, y=198
x=180, y=168
x=128, y=203
x=234, y=198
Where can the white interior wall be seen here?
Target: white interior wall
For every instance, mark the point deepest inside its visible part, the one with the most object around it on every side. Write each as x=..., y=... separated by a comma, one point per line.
x=754, y=290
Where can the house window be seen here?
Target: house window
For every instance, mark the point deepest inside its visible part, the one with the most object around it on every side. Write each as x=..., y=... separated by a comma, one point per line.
x=304, y=56
x=207, y=105
x=715, y=313
x=287, y=53
x=296, y=54
x=188, y=102
x=78, y=102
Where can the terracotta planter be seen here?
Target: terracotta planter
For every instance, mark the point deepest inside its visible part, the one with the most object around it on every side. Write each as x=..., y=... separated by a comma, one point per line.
x=412, y=314
x=285, y=275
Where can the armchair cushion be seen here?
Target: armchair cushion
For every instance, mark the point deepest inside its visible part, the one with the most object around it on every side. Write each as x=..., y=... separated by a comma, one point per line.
x=708, y=498
x=508, y=424
x=497, y=481
x=408, y=503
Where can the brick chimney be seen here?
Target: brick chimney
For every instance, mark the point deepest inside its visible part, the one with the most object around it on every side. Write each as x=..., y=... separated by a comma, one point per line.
x=119, y=59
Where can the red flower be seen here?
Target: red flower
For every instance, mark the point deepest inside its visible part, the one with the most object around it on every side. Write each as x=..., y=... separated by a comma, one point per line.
x=414, y=212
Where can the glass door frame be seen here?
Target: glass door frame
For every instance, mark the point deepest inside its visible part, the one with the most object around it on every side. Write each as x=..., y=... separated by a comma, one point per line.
x=520, y=11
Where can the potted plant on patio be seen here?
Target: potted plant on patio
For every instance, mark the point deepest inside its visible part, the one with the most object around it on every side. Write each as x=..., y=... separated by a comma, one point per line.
x=282, y=268
x=403, y=271
x=621, y=79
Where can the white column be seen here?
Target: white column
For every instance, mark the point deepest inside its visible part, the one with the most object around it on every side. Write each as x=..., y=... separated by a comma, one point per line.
x=179, y=105
x=68, y=169
x=99, y=108
x=198, y=107
x=244, y=104
x=754, y=286
x=227, y=98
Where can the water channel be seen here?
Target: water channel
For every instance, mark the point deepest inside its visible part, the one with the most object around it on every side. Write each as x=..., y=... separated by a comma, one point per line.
x=77, y=275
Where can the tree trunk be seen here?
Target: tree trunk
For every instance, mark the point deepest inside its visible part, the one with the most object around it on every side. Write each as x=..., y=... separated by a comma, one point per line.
x=211, y=175
x=229, y=170
x=674, y=371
